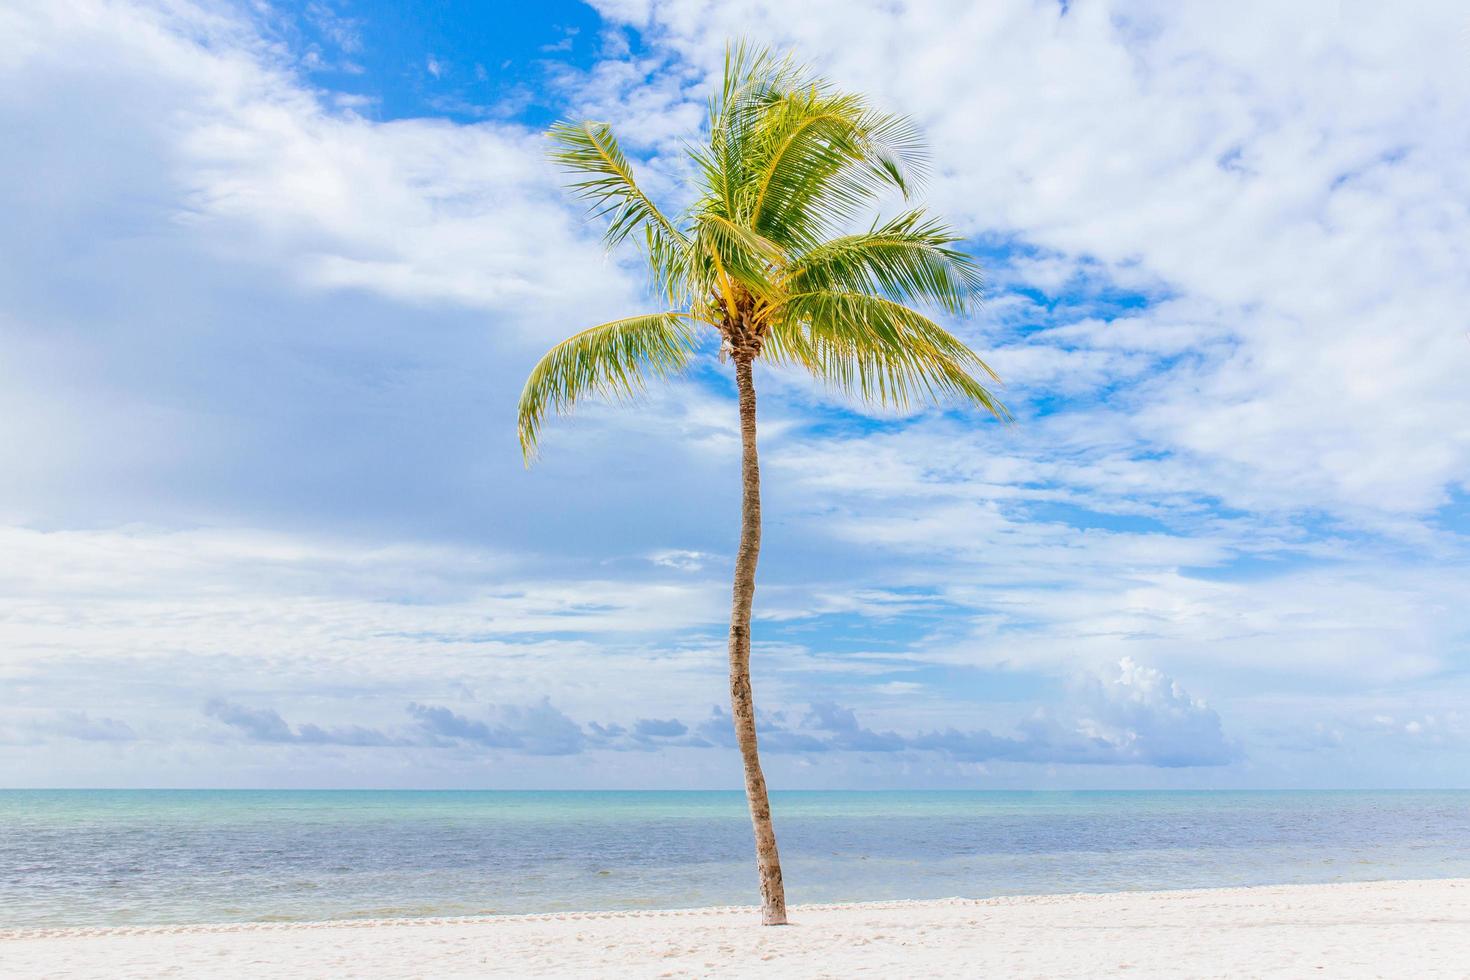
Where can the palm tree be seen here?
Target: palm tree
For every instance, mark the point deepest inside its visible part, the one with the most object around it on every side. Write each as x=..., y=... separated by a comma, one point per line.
x=767, y=257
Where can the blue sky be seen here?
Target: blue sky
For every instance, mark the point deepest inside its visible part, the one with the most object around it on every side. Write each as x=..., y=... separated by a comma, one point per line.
x=273, y=274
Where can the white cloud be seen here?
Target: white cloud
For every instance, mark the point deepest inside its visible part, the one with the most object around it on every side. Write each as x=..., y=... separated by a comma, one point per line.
x=682, y=559
x=1295, y=174
x=1142, y=715
x=261, y=170
x=1130, y=715
x=254, y=290
x=971, y=519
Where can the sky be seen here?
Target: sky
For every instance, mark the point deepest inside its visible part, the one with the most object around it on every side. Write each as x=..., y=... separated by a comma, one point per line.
x=272, y=275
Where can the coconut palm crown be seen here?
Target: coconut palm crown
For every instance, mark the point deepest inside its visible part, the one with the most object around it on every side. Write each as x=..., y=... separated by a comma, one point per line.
x=767, y=258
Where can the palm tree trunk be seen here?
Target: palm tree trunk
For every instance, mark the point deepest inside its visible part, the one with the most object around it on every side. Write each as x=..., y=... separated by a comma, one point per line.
x=742, y=707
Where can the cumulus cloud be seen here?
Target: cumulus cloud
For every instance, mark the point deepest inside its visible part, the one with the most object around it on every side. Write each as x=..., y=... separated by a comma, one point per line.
x=646, y=735
x=1142, y=715
x=265, y=725
x=538, y=729
x=846, y=734
x=660, y=728
x=1133, y=715
x=775, y=734
x=535, y=729
x=1136, y=716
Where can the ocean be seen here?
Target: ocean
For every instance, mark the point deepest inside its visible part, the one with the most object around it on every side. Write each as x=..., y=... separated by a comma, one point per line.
x=123, y=857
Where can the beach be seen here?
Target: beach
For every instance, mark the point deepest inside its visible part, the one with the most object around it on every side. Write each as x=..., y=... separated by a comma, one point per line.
x=1361, y=929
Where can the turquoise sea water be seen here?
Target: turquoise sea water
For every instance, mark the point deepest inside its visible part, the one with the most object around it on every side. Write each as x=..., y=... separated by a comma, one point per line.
x=116, y=857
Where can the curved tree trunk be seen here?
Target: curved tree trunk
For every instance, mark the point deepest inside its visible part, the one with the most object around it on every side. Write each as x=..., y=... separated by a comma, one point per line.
x=742, y=707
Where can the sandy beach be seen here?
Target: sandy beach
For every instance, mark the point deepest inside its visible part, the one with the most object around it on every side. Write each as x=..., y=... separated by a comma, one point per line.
x=1377, y=929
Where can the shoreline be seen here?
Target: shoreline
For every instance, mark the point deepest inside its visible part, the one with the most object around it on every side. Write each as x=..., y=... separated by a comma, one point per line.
x=1416, y=927
x=490, y=918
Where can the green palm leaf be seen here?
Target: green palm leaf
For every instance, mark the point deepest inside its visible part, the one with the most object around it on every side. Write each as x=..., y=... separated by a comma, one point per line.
x=878, y=350
x=819, y=158
x=608, y=360
x=591, y=151
x=788, y=163
x=907, y=259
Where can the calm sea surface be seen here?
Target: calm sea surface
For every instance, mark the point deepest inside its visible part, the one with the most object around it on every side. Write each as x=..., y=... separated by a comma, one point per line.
x=123, y=857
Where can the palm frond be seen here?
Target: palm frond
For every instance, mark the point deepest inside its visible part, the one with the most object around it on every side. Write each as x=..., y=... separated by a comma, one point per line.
x=608, y=360
x=790, y=162
x=820, y=157
x=591, y=150
x=878, y=350
x=740, y=254
x=907, y=259
x=754, y=78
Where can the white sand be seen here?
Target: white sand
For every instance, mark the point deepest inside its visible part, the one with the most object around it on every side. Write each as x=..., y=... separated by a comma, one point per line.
x=1386, y=929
